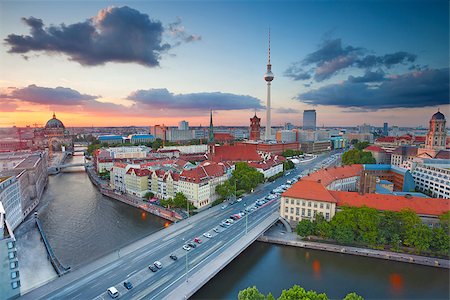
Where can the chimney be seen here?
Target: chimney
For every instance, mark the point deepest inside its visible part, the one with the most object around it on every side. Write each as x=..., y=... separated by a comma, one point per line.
x=319, y=180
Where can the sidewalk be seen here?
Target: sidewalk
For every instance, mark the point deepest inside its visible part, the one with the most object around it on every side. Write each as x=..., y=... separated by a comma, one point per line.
x=292, y=239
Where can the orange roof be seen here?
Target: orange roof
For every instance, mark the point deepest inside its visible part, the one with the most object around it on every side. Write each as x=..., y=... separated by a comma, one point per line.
x=374, y=148
x=328, y=175
x=422, y=206
x=225, y=137
x=139, y=172
x=241, y=152
x=310, y=190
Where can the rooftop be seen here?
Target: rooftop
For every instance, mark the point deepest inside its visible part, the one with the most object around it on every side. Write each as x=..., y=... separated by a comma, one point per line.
x=328, y=175
x=309, y=190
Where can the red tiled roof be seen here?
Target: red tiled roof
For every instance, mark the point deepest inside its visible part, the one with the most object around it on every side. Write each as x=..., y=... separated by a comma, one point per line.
x=223, y=137
x=374, y=148
x=443, y=154
x=203, y=172
x=120, y=165
x=420, y=139
x=386, y=139
x=422, y=206
x=265, y=165
x=328, y=175
x=242, y=152
x=406, y=151
x=139, y=172
x=309, y=190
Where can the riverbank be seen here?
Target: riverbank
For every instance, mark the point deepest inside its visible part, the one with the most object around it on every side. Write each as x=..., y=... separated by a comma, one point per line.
x=278, y=236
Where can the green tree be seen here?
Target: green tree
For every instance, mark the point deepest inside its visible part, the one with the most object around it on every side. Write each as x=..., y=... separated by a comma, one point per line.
x=226, y=189
x=420, y=237
x=288, y=164
x=251, y=293
x=361, y=145
x=355, y=156
x=354, y=141
x=247, y=178
x=408, y=220
x=344, y=225
x=388, y=227
x=149, y=195
x=305, y=228
x=395, y=242
x=322, y=227
x=440, y=240
x=180, y=200
x=367, y=222
x=270, y=297
x=353, y=296
x=444, y=220
x=157, y=144
x=298, y=293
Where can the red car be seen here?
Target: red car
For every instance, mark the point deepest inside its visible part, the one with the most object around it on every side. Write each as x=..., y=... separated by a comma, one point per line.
x=197, y=240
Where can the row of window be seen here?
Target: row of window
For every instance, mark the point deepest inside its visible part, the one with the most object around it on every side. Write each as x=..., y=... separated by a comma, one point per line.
x=307, y=203
x=305, y=212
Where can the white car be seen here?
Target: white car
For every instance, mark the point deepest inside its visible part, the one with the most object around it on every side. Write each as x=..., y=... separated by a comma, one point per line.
x=239, y=199
x=113, y=292
x=224, y=206
x=186, y=247
x=208, y=235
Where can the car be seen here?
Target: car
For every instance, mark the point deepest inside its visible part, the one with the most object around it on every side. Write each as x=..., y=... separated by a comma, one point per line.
x=208, y=235
x=239, y=199
x=222, y=224
x=197, y=240
x=192, y=245
x=113, y=292
x=186, y=247
x=230, y=221
x=224, y=206
x=152, y=268
x=128, y=285
x=216, y=230
x=158, y=264
x=173, y=256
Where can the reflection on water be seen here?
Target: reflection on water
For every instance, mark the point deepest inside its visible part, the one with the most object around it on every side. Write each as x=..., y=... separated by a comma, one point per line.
x=272, y=268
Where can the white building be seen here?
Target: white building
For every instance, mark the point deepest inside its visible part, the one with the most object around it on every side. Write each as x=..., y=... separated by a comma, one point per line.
x=190, y=149
x=9, y=264
x=433, y=176
x=268, y=168
x=183, y=125
x=10, y=197
x=128, y=152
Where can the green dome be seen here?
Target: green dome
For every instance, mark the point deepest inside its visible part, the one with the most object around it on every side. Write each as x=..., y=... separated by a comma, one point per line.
x=54, y=123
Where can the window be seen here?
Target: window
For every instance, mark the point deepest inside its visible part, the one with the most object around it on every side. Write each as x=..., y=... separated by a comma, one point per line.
x=11, y=255
x=327, y=216
x=13, y=265
x=321, y=205
x=303, y=212
x=286, y=209
x=15, y=284
x=309, y=213
x=309, y=203
x=304, y=203
x=328, y=206
x=297, y=211
x=315, y=204
x=10, y=245
x=286, y=201
x=292, y=201
x=292, y=210
x=14, y=274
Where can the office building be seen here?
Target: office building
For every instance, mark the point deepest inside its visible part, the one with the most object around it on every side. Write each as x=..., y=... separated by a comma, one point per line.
x=309, y=119
x=183, y=125
x=385, y=129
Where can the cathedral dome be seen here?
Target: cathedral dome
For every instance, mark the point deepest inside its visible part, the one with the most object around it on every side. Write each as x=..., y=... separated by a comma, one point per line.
x=438, y=116
x=54, y=123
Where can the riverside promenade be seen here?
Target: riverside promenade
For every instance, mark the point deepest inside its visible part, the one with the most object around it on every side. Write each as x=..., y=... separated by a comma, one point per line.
x=137, y=202
x=280, y=237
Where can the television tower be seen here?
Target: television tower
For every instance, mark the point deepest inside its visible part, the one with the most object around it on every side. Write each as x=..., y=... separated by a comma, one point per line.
x=268, y=77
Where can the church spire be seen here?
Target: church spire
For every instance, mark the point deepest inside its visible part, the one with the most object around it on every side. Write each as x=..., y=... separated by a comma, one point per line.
x=211, y=129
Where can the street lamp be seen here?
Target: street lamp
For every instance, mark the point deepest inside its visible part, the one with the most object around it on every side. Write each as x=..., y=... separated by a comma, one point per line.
x=187, y=264
x=246, y=218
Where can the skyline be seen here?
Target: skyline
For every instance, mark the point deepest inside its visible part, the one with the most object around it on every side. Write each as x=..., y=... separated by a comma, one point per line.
x=364, y=62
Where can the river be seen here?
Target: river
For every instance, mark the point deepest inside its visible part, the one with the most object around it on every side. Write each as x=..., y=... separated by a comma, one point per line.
x=82, y=225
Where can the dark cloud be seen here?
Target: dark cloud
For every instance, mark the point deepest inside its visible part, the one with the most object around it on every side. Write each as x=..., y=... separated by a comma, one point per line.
x=369, y=76
x=283, y=110
x=332, y=57
x=45, y=95
x=116, y=34
x=163, y=99
x=415, y=89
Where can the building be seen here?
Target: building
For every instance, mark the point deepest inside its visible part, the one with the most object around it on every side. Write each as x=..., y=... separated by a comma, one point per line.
x=315, y=147
x=360, y=137
x=380, y=155
x=268, y=167
x=183, y=125
x=140, y=138
x=9, y=264
x=111, y=139
x=255, y=128
x=136, y=181
x=385, y=129
x=365, y=128
x=338, y=142
x=436, y=137
x=309, y=119
x=223, y=138
x=268, y=77
x=287, y=136
x=288, y=126
x=401, y=178
x=10, y=197
x=189, y=149
x=432, y=176
x=54, y=136
x=319, y=193
x=117, y=177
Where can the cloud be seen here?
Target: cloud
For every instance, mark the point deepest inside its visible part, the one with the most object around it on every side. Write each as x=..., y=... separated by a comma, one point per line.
x=415, y=89
x=163, y=99
x=284, y=110
x=332, y=57
x=7, y=105
x=177, y=30
x=116, y=34
x=45, y=95
x=369, y=76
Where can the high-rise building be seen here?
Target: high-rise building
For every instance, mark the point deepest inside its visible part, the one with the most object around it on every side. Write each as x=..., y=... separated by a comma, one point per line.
x=385, y=129
x=255, y=128
x=183, y=125
x=268, y=77
x=309, y=119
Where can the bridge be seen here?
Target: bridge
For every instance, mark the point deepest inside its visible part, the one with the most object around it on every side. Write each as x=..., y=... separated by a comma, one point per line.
x=178, y=279
x=57, y=168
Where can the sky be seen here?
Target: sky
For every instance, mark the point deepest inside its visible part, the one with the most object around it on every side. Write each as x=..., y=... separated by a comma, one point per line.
x=106, y=63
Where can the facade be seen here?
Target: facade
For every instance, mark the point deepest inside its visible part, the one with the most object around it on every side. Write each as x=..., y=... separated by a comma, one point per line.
x=433, y=176
x=9, y=264
x=10, y=197
x=338, y=142
x=380, y=155
x=268, y=168
x=361, y=137
x=315, y=147
x=385, y=129
x=255, y=128
x=403, y=154
x=111, y=139
x=141, y=138
x=401, y=178
x=190, y=149
x=117, y=177
x=309, y=119
x=286, y=136
x=183, y=125
x=136, y=181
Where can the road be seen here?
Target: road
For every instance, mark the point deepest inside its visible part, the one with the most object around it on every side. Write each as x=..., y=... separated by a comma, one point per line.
x=155, y=285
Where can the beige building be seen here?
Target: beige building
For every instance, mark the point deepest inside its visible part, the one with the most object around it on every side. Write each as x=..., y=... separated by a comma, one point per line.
x=304, y=200
x=136, y=181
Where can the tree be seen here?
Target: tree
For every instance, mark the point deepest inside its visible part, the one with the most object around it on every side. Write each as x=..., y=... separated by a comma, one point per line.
x=440, y=240
x=298, y=293
x=247, y=178
x=367, y=222
x=408, y=220
x=420, y=237
x=361, y=145
x=305, y=228
x=149, y=195
x=356, y=156
x=157, y=144
x=353, y=296
x=226, y=189
x=389, y=227
x=270, y=296
x=354, y=141
x=444, y=220
x=288, y=164
x=180, y=200
x=251, y=293
x=322, y=227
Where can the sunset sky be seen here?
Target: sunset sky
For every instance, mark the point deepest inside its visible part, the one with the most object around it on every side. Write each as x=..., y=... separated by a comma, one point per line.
x=106, y=63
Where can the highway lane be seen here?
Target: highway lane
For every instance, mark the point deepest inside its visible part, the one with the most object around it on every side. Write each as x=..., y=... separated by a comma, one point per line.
x=134, y=265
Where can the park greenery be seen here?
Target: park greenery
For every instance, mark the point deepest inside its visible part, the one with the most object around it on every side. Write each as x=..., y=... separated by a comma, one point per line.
x=398, y=231
x=179, y=201
x=288, y=164
x=290, y=153
x=244, y=179
x=356, y=156
x=149, y=195
x=294, y=293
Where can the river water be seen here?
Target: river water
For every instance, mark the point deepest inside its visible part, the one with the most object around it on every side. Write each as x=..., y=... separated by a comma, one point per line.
x=82, y=225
